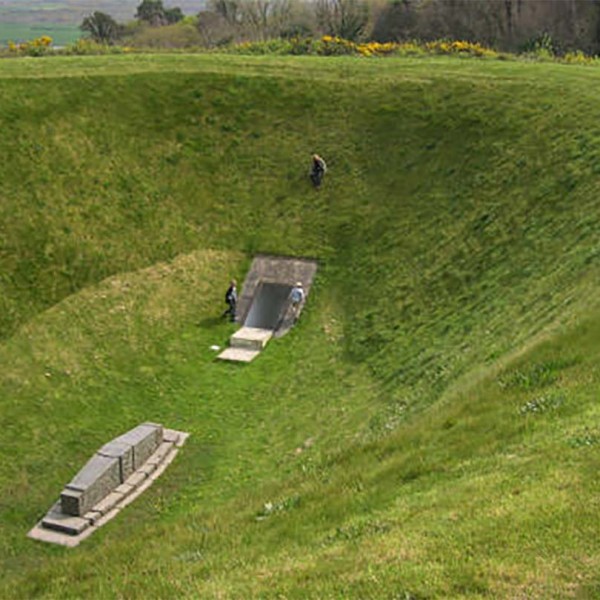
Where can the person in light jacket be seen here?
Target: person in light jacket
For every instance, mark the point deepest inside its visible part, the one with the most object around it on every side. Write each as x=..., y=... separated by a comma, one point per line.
x=296, y=298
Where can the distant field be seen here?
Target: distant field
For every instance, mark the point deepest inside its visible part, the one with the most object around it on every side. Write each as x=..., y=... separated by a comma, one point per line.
x=19, y=32
x=27, y=19
x=71, y=12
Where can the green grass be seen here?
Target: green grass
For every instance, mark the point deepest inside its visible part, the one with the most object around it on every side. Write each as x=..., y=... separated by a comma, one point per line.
x=428, y=430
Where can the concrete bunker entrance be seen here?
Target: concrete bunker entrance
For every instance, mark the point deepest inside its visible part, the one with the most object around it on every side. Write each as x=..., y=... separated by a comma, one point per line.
x=264, y=308
x=268, y=305
x=265, y=299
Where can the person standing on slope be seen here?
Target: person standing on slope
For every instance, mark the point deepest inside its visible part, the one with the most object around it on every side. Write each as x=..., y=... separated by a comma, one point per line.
x=296, y=298
x=231, y=300
x=318, y=170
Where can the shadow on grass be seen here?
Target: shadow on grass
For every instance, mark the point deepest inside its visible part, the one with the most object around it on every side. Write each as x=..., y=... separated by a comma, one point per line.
x=212, y=321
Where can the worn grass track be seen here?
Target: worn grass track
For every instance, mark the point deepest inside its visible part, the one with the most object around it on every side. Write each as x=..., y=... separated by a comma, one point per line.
x=429, y=430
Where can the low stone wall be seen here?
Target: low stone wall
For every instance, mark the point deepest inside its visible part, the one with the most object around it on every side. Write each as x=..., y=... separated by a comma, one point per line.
x=113, y=477
x=109, y=468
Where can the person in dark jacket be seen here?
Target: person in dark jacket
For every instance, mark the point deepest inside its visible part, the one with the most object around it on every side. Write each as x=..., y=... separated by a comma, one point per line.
x=318, y=170
x=231, y=300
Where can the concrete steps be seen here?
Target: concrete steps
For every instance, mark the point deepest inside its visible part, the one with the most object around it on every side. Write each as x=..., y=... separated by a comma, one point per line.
x=251, y=338
x=246, y=344
x=239, y=355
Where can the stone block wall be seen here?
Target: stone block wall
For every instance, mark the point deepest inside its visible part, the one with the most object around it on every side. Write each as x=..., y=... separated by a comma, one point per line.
x=109, y=468
x=121, y=451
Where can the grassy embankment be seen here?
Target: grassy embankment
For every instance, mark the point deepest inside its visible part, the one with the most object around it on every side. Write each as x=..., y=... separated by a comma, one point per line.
x=429, y=428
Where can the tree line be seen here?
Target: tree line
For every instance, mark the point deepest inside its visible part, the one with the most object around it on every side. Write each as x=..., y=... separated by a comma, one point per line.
x=508, y=25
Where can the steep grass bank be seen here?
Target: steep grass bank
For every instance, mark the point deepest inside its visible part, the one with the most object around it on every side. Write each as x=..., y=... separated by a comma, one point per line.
x=498, y=163
x=297, y=482
x=391, y=443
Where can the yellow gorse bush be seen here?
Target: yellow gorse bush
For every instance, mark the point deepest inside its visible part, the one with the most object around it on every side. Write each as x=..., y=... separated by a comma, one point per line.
x=333, y=45
x=42, y=42
x=377, y=48
x=460, y=47
x=35, y=47
x=327, y=45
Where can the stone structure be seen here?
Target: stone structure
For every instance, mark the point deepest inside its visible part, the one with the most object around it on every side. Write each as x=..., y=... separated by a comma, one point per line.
x=275, y=270
x=109, y=468
x=264, y=307
x=246, y=344
x=112, y=478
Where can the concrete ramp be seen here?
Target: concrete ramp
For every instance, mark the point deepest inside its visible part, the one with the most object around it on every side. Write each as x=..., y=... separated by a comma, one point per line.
x=266, y=291
x=268, y=306
x=264, y=307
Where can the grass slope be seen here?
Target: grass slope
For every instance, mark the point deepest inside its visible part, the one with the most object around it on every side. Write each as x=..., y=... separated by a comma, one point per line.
x=428, y=430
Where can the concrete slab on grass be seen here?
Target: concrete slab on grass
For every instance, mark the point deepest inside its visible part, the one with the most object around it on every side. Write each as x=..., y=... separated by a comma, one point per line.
x=251, y=338
x=108, y=503
x=136, y=479
x=239, y=355
x=57, y=521
x=160, y=453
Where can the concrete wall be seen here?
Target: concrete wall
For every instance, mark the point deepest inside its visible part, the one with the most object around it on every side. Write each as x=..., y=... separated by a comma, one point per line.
x=110, y=467
x=279, y=270
x=268, y=305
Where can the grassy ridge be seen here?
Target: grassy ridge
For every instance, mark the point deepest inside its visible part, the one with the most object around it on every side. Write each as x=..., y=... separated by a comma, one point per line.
x=430, y=418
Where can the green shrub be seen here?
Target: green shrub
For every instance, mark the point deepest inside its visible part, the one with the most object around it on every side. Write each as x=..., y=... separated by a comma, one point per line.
x=88, y=47
x=578, y=58
x=335, y=46
x=541, y=46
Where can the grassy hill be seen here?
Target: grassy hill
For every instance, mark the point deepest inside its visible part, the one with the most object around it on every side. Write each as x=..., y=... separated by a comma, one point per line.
x=428, y=430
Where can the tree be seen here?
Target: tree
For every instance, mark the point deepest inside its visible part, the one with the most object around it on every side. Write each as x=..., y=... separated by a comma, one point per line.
x=178, y=35
x=152, y=12
x=266, y=18
x=347, y=19
x=246, y=19
x=101, y=27
x=596, y=27
x=173, y=15
x=155, y=14
x=396, y=21
x=214, y=29
x=229, y=10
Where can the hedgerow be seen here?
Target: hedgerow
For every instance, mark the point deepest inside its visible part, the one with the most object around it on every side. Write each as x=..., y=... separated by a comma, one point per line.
x=297, y=46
